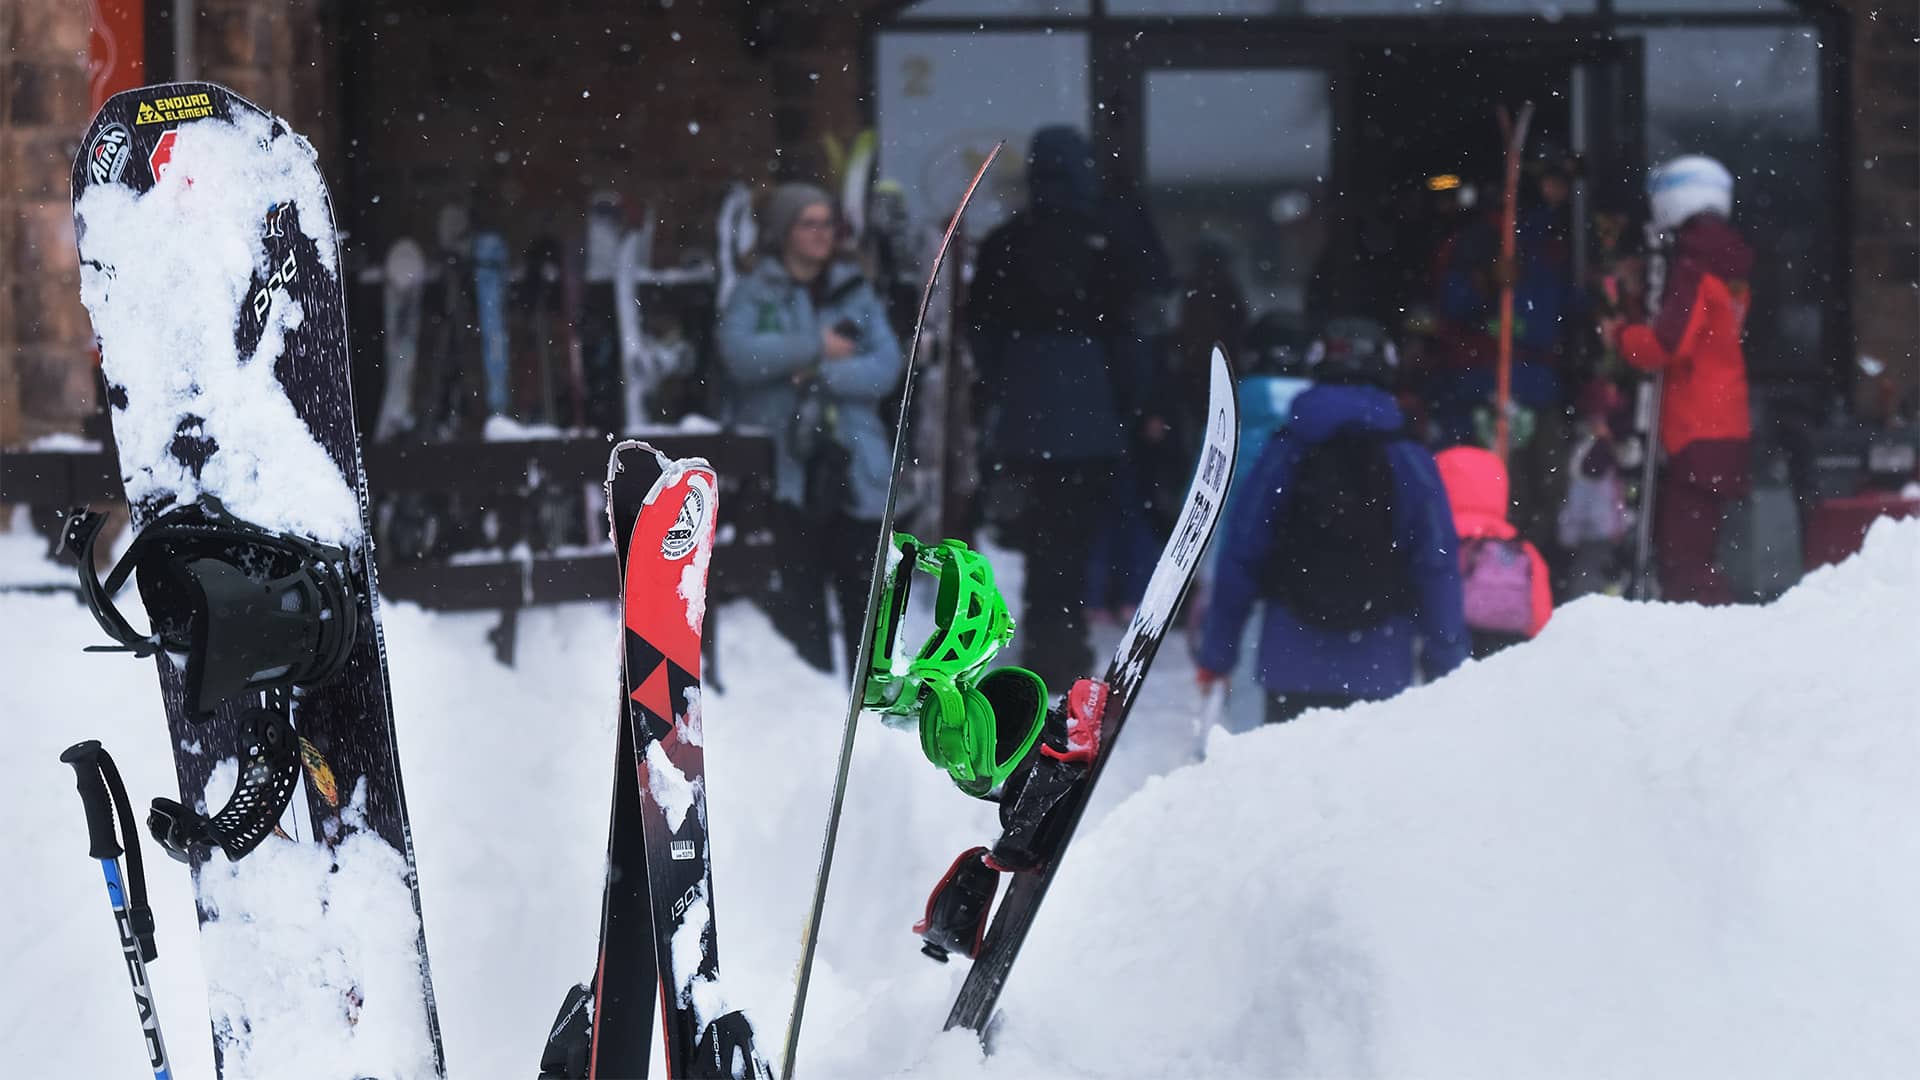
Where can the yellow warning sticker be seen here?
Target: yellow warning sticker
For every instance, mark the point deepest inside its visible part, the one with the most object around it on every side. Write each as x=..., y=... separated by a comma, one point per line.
x=174, y=109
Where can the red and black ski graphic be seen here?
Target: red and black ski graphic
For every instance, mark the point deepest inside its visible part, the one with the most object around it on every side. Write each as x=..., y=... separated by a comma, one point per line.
x=657, y=928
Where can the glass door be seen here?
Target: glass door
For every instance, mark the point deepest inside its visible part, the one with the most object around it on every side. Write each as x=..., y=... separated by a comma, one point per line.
x=1235, y=169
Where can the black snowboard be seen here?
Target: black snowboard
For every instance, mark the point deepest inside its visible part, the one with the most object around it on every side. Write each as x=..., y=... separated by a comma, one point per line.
x=242, y=243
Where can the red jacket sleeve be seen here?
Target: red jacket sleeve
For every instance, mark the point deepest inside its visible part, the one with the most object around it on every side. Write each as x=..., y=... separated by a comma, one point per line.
x=1651, y=345
x=1542, y=592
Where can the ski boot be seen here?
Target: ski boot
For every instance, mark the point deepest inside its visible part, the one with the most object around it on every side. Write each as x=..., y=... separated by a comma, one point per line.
x=570, y=1041
x=242, y=613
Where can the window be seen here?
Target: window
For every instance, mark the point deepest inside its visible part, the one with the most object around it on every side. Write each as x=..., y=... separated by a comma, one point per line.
x=945, y=98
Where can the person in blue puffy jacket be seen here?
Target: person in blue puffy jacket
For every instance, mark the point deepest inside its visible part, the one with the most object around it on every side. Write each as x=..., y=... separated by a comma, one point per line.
x=1344, y=534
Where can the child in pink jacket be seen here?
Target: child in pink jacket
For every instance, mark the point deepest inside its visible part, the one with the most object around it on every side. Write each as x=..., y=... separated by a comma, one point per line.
x=1503, y=578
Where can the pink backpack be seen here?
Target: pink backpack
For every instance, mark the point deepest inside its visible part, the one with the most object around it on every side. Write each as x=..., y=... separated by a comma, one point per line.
x=1497, y=578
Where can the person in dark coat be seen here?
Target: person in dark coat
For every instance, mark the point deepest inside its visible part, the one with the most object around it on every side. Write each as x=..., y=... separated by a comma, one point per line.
x=1060, y=369
x=1304, y=663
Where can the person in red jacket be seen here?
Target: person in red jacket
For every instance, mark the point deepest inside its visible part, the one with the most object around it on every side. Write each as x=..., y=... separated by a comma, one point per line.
x=1503, y=579
x=1693, y=338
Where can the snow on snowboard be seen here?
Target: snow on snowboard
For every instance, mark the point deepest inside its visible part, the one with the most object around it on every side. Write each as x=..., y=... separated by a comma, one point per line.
x=211, y=269
x=659, y=864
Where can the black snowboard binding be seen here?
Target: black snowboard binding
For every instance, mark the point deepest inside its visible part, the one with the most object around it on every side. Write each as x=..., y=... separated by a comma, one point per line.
x=241, y=612
x=268, y=778
x=1035, y=808
x=249, y=610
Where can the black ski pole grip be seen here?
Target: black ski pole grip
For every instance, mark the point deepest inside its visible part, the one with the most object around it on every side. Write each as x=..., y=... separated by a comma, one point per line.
x=85, y=759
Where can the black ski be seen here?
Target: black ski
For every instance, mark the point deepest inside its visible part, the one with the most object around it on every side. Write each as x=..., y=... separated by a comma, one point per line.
x=605, y=1027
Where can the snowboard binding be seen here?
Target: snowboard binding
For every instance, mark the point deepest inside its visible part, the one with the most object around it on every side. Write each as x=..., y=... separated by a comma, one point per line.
x=268, y=776
x=956, y=917
x=978, y=727
x=1035, y=808
x=240, y=609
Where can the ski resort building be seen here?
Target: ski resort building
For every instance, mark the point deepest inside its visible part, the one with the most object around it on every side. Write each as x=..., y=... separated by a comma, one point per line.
x=1281, y=126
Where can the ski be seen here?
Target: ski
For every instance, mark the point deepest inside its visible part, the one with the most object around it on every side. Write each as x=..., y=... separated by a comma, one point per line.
x=1042, y=802
x=604, y=1026
x=856, y=695
x=210, y=267
x=664, y=605
x=660, y=869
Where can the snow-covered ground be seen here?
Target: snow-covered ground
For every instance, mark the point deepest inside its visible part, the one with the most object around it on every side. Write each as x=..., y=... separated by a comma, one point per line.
x=1659, y=841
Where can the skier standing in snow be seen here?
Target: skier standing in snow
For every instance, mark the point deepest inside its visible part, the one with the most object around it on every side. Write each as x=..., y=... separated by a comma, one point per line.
x=1693, y=338
x=1050, y=322
x=1503, y=579
x=805, y=343
x=1345, y=533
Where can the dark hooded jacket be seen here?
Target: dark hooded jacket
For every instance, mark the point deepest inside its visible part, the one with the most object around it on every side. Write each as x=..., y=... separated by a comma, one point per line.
x=1048, y=316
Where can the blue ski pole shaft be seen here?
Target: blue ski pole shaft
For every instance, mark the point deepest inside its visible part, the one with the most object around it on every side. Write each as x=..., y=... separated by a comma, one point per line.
x=94, y=772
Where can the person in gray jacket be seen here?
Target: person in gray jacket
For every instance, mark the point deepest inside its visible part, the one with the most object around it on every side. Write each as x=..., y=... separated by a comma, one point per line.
x=809, y=356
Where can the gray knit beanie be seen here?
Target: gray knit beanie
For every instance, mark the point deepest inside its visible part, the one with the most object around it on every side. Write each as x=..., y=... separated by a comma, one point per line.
x=783, y=207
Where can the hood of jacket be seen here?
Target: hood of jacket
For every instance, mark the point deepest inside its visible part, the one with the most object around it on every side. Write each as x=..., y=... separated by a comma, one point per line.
x=1711, y=241
x=1477, y=490
x=1325, y=408
x=1060, y=175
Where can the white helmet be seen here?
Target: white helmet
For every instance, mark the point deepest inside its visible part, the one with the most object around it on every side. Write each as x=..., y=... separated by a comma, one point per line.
x=1689, y=185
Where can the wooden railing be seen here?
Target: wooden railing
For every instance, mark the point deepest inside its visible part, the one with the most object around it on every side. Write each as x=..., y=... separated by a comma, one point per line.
x=512, y=486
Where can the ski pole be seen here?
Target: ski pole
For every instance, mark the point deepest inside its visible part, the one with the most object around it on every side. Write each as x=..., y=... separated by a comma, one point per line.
x=96, y=775
x=1513, y=132
x=1651, y=392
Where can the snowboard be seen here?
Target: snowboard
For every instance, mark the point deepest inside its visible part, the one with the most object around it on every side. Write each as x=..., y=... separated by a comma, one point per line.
x=403, y=277
x=657, y=918
x=210, y=267
x=1042, y=815
x=633, y=259
x=489, y=255
x=857, y=694
x=734, y=240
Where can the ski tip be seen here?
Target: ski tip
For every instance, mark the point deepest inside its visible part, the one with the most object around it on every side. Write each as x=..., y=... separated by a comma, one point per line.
x=667, y=464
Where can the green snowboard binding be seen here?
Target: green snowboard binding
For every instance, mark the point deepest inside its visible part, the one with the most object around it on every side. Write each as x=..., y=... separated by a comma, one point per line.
x=976, y=724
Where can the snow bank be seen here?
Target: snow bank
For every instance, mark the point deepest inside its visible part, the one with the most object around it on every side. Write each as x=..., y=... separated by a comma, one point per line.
x=1659, y=841
x=1662, y=840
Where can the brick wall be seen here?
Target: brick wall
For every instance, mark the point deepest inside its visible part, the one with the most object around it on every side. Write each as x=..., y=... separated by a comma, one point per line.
x=270, y=52
x=1886, y=178
x=46, y=366
x=529, y=106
